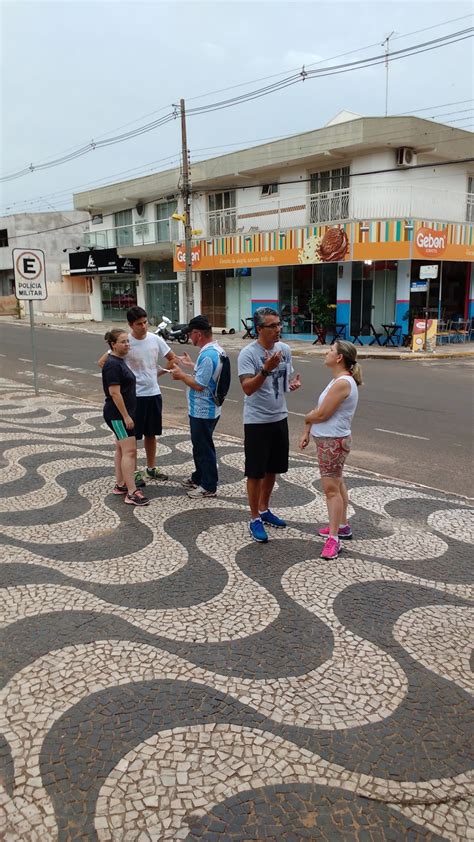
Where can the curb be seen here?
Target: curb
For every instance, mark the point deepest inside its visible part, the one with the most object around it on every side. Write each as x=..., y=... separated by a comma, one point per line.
x=315, y=352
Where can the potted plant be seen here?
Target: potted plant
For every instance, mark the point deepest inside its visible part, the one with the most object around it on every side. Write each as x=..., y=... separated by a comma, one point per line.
x=322, y=313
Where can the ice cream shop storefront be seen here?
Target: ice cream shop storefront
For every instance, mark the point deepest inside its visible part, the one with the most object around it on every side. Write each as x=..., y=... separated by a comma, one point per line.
x=367, y=271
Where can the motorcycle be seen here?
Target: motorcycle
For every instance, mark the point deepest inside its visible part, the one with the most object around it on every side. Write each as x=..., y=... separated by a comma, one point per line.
x=169, y=332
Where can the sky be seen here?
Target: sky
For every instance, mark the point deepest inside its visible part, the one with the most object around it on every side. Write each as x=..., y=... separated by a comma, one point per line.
x=72, y=72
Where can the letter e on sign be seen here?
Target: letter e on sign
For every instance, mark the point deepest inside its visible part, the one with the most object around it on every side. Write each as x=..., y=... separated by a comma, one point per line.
x=30, y=274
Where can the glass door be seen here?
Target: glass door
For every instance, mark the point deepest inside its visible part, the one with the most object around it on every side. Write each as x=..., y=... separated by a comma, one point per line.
x=361, y=303
x=385, y=289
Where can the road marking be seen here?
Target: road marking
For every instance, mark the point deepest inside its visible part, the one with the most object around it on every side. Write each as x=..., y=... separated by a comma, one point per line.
x=301, y=414
x=75, y=370
x=22, y=360
x=406, y=435
x=172, y=389
x=2, y=355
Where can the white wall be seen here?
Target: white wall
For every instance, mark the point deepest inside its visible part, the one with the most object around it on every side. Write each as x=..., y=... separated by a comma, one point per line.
x=434, y=192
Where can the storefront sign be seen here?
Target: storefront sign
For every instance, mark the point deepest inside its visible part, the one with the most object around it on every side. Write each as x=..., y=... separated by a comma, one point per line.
x=418, y=286
x=128, y=266
x=102, y=261
x=419, y=335
x=315, y=244
x=93, y=262
x=429, y=271
x=430, y=242
x=376, y=239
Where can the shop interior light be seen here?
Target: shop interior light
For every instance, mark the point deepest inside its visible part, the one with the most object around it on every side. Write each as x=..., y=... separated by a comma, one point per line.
x=368, y=262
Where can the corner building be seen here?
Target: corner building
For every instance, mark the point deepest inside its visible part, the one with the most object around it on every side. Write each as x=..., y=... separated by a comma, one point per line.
x=353, y=210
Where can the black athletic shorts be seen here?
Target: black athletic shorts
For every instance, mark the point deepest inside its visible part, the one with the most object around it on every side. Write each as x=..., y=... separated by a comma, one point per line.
x=266, y=448
x=148, y=416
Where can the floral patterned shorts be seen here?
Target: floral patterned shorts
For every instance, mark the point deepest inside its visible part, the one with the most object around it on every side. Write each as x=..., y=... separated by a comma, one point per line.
x=332, y=453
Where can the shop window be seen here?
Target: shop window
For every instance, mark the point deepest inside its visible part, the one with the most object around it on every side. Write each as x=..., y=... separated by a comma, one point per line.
x=159, y=270
x=297, y=284
x=3, y=238
x=118, y=297
x=329, y=200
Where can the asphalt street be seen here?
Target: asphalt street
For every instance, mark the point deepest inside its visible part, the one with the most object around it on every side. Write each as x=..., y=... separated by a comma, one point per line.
x=414, y=421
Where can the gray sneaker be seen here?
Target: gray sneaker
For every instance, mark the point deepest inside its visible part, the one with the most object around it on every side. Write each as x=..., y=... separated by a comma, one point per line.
x=199, y=492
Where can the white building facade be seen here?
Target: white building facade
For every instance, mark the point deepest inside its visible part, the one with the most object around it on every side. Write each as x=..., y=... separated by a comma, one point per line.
x=352, y=210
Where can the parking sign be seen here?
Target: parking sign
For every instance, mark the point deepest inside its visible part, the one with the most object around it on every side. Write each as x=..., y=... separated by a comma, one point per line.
x=30, y=274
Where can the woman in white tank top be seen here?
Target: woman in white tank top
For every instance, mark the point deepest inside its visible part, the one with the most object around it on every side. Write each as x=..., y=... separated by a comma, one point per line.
x=330, y=425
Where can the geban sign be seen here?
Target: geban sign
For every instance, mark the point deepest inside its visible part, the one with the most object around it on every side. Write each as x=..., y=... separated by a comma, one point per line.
x=30, y=274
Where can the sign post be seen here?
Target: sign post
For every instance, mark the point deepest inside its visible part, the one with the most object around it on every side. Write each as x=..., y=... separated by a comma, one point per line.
x=30, y=285
x=427, y=273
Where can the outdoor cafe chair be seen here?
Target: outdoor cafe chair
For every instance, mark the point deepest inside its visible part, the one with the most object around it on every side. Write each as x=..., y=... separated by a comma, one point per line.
x=460, y=330
x=443, y=331
x=249, y=328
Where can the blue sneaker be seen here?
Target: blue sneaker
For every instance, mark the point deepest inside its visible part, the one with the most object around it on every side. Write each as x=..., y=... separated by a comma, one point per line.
x=272, y=520
x=257, y=531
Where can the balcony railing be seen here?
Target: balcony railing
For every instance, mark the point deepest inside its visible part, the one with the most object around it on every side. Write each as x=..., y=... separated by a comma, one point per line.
x=332, y=206
x=222, y=222
x=361, y=201
x=137, y=234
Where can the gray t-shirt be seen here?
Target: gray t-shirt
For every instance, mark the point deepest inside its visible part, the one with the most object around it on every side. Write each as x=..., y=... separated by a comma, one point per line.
x=268, y=403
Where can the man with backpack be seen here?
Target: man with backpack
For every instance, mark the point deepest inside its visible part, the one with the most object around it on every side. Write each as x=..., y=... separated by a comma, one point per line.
x=207, y=387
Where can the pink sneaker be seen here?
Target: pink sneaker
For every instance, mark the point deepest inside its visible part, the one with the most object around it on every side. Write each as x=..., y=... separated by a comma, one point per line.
x=331, y=549
x=344, y=532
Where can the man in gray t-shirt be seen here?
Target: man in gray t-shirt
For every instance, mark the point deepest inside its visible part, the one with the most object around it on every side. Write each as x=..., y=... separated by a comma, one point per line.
x=265, y=369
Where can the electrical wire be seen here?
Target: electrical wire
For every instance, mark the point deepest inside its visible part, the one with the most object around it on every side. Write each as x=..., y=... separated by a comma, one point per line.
x=288, y=181
x=417, y=49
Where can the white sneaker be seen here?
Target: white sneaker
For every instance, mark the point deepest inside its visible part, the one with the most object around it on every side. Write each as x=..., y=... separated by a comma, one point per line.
x=201, y=492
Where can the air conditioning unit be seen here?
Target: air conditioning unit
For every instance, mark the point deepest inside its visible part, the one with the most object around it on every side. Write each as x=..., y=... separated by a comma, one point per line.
x=406, y=157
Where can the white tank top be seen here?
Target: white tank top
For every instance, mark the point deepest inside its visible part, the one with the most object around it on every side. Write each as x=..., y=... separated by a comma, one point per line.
x=339, y=424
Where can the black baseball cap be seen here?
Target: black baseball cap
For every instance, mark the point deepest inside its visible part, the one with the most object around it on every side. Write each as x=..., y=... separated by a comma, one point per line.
x=199, y=323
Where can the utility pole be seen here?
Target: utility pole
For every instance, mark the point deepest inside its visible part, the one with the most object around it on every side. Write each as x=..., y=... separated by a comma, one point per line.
x=186, y=194
x=386, y=43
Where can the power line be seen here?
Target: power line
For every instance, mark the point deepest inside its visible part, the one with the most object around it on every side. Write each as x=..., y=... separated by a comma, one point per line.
x=272, y=76
x=393, y=134
x=451, y=38
x=244, y=187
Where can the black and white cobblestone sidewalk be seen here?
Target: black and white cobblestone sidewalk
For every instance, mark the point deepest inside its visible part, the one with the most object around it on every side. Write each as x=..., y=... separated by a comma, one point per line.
x=165, y=678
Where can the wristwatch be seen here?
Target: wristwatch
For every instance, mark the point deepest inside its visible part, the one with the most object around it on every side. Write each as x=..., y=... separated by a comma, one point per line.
x=264, y=372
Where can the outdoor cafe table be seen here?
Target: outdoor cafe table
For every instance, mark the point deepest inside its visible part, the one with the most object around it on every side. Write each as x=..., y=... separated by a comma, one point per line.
x=337, y=331
x=393, y=334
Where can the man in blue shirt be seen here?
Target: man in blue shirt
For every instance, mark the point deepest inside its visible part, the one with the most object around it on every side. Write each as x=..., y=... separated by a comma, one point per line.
x=203, y=412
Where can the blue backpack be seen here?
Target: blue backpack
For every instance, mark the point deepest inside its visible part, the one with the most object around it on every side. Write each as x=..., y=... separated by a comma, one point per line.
x=223, y=380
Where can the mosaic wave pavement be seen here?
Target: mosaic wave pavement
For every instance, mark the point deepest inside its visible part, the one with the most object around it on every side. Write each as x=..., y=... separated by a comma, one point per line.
x=166, y=678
